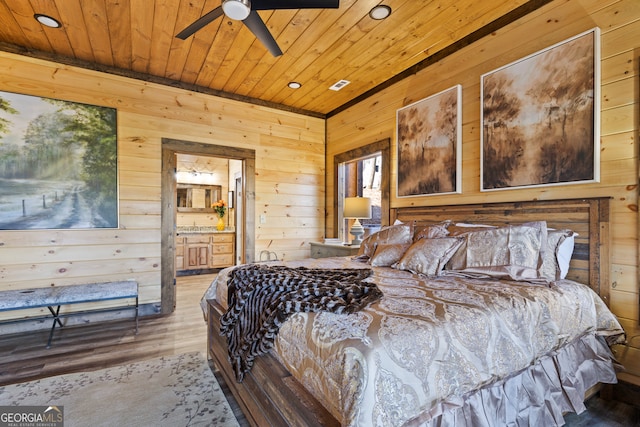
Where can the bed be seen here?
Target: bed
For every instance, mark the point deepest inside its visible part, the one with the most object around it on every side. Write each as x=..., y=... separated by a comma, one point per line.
x=495, y=346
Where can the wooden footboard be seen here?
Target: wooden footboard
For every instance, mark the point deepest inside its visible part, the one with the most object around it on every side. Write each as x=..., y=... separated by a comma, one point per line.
x=268, y=395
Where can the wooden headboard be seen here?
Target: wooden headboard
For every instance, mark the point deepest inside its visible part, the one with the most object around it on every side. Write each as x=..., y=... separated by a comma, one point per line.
x=589, y=218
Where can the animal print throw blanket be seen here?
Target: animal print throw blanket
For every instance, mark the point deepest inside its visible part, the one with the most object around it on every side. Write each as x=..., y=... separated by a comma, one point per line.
x=262, y=297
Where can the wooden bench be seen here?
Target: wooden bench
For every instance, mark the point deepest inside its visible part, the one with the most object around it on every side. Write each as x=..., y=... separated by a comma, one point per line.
x=65, y=295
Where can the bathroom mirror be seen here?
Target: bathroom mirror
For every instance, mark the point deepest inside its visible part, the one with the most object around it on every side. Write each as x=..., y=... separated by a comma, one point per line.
x=197, y=197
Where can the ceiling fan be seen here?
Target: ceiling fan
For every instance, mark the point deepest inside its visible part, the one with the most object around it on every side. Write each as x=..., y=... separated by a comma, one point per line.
x=245, y=11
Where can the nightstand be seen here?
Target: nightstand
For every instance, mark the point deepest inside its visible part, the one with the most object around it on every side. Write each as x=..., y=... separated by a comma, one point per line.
x=325, y=250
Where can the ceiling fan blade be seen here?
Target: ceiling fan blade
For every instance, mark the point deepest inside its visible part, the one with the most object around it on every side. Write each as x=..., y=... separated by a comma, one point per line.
x=201, y=22
x=260, y=30
x=294, y=4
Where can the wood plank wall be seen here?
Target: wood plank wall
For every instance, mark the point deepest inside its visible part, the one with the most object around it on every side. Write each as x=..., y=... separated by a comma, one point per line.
x=374, y=119
x=289, y=193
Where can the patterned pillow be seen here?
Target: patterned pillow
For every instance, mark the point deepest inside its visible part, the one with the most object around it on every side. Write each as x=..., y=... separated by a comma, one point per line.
x=556, y=259
x=429, y=256
x=387, y=254
x=514, y=252
x=399, y=234
x=461, y=228
x=433, y=231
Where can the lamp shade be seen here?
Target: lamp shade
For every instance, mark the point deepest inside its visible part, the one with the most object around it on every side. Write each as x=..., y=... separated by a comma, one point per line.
x=357, y=207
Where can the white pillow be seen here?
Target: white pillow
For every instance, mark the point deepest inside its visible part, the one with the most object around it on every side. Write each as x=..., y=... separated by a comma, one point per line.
x=564, y=252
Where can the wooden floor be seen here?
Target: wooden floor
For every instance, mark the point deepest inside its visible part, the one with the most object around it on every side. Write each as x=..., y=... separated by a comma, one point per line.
x=89, y=347
x=24, y=357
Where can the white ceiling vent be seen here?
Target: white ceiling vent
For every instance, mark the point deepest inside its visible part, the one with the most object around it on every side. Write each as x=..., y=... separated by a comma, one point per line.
x=339, y=85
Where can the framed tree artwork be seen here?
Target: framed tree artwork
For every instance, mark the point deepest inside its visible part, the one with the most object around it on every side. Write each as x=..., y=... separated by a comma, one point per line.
x=429, y=134
x=58, y=164
x=540, y=117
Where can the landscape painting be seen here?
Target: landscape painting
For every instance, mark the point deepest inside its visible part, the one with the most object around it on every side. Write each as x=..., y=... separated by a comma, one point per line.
x=58, y=164
x=540, y=118
x=429, y=145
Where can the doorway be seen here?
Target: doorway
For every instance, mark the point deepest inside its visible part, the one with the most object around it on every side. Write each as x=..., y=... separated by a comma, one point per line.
x=171, y=147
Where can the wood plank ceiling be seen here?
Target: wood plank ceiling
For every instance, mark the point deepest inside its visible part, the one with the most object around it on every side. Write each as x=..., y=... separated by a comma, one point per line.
x=320, y=46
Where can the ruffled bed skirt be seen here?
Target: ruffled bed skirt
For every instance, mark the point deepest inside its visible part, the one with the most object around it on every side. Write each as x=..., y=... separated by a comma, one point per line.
x=537, y=396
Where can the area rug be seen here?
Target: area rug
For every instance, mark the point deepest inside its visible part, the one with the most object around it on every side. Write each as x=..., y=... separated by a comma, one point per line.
x=171, y=391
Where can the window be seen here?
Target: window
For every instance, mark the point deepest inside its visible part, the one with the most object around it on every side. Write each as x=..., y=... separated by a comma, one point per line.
x=361, y=178
x=363, y=172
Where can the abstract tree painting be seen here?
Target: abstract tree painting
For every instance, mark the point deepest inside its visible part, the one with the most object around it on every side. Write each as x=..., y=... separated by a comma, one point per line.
x=540, y=122
x=429, y=145
x=58, y=164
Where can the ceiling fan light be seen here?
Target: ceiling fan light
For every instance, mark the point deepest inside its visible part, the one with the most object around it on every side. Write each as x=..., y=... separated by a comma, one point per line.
x=379, y=12
x=236, y=9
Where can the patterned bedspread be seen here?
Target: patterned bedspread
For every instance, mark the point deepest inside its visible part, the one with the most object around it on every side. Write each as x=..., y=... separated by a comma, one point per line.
x=428, y=343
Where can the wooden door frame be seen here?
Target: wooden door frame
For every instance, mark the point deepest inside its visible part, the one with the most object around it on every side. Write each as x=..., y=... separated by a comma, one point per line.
x=239, y=215
x=171, y=147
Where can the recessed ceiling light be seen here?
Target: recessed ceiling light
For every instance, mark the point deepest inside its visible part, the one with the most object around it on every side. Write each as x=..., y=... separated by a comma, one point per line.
x=380, y=11
x=47, y=20
x=295, y=85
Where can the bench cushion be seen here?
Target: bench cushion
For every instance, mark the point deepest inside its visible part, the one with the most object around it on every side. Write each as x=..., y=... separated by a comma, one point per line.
x=61, y=295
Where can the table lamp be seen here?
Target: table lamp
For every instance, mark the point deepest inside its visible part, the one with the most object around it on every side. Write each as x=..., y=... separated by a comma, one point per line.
x=357, y=208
